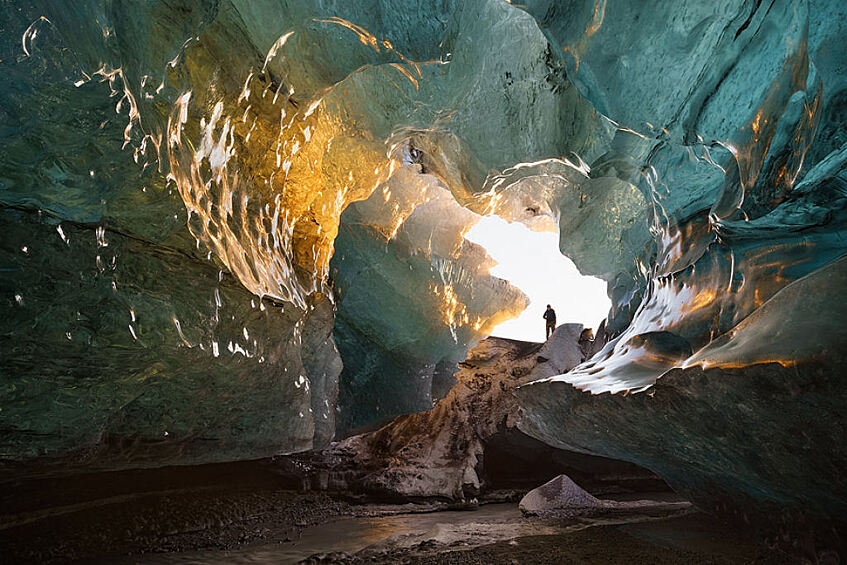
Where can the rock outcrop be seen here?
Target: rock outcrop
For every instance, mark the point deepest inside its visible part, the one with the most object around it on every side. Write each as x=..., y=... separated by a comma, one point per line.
x=468, y=444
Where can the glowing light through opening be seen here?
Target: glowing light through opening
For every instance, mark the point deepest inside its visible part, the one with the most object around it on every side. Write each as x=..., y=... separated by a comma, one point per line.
x=532, y=262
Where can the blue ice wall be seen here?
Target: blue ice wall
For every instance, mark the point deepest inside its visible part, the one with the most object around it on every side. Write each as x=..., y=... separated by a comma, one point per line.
x=194, y=194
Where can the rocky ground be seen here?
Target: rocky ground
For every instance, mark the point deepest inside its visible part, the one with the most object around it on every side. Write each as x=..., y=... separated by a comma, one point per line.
x=599, y=545
x=214, y=506
x=464, y=452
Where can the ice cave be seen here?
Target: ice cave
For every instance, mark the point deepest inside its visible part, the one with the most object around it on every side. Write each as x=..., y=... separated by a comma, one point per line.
x=251, y=289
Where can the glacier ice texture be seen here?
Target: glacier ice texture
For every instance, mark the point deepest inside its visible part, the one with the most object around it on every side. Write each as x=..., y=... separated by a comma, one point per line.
x=204, y=203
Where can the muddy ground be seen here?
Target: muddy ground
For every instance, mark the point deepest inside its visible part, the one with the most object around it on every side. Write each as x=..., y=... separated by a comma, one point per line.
x=247, y=512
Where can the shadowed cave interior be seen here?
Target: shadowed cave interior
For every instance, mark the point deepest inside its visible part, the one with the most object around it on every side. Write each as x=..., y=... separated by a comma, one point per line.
x=238, y=300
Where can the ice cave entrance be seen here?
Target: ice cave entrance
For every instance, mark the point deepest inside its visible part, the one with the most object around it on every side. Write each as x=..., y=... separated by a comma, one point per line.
x=531, y=260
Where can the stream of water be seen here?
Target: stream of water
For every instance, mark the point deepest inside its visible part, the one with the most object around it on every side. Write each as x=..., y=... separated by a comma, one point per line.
x=347, y=535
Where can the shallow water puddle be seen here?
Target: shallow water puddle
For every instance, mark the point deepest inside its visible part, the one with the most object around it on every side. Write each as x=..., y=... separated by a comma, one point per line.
x=348, y=535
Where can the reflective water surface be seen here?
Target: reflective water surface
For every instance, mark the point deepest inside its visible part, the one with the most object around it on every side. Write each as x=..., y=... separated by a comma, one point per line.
x=347, y=535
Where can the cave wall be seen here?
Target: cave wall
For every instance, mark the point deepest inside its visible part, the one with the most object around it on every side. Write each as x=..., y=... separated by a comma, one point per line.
x=210, y=207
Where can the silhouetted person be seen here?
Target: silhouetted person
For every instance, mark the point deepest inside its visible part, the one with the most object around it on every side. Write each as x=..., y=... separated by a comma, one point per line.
x=550, y=317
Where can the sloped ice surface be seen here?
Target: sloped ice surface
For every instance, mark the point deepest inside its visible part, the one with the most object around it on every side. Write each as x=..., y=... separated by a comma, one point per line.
x=749, y=424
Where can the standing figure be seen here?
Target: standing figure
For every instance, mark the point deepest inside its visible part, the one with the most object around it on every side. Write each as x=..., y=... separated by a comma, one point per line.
x=550, y=317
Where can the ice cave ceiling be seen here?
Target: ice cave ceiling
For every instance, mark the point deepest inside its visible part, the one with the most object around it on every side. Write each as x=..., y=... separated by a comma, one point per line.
x=209, y=207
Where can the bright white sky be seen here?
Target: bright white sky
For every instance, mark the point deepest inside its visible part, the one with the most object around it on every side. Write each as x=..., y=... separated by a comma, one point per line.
x=532, y=262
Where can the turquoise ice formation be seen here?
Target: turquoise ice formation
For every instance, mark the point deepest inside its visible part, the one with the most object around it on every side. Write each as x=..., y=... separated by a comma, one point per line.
x=205, y=202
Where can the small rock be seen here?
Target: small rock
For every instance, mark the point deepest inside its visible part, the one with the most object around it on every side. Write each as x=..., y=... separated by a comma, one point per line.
x=563, y=498
x=557, y=495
